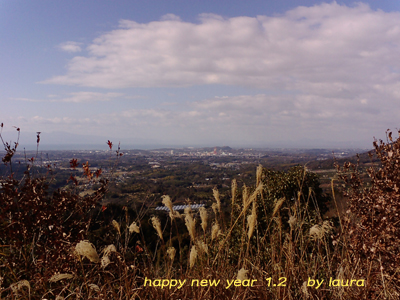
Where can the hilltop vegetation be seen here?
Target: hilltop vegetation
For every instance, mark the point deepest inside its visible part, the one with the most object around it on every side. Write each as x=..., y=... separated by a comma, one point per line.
x=270, y=230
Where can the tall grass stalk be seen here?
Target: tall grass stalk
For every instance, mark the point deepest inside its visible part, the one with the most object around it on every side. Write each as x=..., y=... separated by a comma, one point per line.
x=269, y=236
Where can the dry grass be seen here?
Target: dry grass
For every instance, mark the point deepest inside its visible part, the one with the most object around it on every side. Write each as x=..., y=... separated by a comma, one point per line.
x=280, y=244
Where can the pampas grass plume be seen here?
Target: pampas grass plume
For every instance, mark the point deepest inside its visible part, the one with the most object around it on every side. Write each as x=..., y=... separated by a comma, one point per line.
x=86, y=249
x=166, y=200
x=215, y=231
x=249, y=199
x=58, y=277
x=193, y=256
x=292, y=221
x=109, y=249
x=233, y=190
x=134, y=228
x=245, y=195
x=251, y=223
x=187, y=210
x=94, y=287
x=242, y=274
x=305, y=290
x=204, y=218
x=202, y=247
x=258, y=174
x=116, y=226
x=190, y=224
x=18, y=285
x=214, y=207
x=171, y=253
x=278, y=205
x=318, y=232
x=105, y=261
x=157, y=226
x=216, y=196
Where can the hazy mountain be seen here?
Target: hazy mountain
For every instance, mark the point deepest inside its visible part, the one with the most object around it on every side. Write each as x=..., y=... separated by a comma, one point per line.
x=59, y=140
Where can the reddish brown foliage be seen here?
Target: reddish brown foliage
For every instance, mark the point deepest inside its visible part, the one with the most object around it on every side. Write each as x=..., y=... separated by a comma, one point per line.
x=373, y=220
x=38, y=228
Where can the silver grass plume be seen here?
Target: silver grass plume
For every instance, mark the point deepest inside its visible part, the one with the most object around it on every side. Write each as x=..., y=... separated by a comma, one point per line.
x=157, y=226
x=278, y=205
x=110, y=248
x=190, y=223
x=116, y=226
x=233, y=191
x=202, y=247
x=166, y=200
x=292, y=221
x=305, y=290
x=214, y=207
x=204, y=218
x=134, y=228
x=86, y=249
x=259, y=174
x=251, y=220
x=94, y=287
x=341, y=276
x=216, y=196
x=15, y=287
x=58, y=277
x=318, y=232
x=193, y=256
x=215, y=231
x=171, y=253
x=245, y=195
x=187, y=210
x=253, y=196
x=105, y=261
x=242, y=274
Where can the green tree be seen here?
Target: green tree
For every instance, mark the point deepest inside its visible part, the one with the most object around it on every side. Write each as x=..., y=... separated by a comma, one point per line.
x=296, y=187
x=289, y=185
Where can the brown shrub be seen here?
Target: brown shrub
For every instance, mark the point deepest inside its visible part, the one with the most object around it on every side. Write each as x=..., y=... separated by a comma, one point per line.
x=372, y=221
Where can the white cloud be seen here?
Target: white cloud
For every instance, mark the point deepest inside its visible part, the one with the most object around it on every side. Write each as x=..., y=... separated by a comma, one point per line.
x=326, y=49
x=170, y=17
x=265, y=120
x=254, y=119
x=78, y=97
x=90, y=97
x=327, y=72
x=71, y=47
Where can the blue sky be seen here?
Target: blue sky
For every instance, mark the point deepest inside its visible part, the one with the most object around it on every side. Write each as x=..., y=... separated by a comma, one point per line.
x=200, y=73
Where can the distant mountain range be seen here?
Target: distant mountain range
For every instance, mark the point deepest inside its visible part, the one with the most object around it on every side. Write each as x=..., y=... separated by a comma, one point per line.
x=59, y=140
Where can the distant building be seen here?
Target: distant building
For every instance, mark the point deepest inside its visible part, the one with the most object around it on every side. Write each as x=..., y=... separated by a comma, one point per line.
x=154, y=164
x=180, y=207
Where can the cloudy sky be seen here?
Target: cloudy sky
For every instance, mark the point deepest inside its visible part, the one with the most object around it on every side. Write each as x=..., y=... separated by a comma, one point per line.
x=252, y=73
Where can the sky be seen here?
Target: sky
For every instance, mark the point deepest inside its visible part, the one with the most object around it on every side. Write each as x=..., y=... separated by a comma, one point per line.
x=156, y=73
